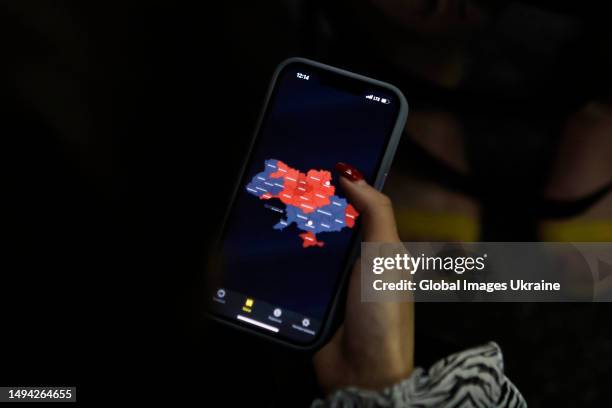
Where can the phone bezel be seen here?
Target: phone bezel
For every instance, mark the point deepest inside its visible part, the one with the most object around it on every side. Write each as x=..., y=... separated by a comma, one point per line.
x=379, y=180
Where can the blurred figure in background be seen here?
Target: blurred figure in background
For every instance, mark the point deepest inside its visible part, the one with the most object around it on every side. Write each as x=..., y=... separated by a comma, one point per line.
x=499, y=93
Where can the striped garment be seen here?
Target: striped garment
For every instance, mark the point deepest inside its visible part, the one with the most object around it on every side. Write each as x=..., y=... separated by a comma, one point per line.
x=470, y=378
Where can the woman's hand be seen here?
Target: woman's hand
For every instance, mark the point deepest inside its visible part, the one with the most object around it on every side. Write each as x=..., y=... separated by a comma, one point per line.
x=374, y=347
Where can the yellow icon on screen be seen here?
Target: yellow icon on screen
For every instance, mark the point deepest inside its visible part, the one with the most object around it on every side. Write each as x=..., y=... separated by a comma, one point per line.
x=248, y=304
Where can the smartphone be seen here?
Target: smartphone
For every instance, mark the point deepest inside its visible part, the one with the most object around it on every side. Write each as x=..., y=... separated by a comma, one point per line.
x=290, y=235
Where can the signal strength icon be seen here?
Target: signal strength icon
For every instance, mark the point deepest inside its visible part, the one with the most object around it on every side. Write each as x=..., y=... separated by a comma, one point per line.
x=369, y=96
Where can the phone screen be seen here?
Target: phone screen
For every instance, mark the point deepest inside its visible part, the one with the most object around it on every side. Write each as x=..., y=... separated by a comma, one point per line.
x=290, y=230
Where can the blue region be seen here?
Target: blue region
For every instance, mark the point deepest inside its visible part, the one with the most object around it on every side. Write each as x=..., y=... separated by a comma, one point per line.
x=330, y=218
x=263, y=183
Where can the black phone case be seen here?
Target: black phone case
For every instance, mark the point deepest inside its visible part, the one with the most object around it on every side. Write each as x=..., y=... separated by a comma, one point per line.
x=331, y=320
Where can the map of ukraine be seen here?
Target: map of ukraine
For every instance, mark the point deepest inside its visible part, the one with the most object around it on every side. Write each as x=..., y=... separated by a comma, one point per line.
x=309, y=198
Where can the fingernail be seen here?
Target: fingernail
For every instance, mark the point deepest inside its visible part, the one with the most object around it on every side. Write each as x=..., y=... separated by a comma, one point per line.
x=348, y=171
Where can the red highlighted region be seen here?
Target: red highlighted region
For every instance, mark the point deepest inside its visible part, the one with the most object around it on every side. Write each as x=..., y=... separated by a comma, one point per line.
x=306, y=191
x=309, y=239
x=350, y=214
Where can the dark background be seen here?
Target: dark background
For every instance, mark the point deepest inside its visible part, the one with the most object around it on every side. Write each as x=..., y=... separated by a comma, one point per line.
x=108, y=134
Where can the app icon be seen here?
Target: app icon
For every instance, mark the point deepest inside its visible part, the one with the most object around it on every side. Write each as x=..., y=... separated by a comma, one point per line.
x=306, y=322
x=248, y=304
x=221, y=293
x=277, y=312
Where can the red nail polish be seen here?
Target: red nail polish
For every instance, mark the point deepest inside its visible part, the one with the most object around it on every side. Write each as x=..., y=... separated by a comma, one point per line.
x=348, y=171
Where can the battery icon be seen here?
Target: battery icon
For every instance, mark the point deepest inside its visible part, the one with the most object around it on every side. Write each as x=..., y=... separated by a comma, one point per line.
x=385, y=101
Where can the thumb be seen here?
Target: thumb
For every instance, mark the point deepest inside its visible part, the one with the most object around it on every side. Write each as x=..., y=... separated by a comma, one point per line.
x=378, y=221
